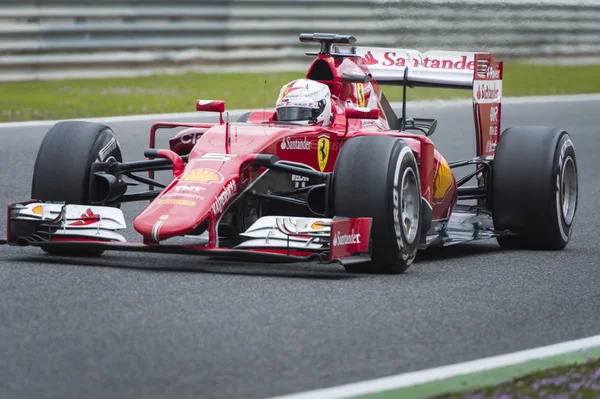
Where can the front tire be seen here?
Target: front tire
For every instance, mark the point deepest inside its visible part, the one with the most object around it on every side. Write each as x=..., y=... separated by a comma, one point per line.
x=62, y=168
x=535, y=188
x=378, y=177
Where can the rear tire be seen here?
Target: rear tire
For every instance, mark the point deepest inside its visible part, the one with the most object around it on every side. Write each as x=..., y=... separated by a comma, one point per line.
x=62, y=167
x=378, y=177
x=534, y=188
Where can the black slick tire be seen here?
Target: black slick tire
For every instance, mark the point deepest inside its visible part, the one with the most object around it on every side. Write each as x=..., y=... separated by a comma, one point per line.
x=534, y=188
x=368, y=182
x=62, y=168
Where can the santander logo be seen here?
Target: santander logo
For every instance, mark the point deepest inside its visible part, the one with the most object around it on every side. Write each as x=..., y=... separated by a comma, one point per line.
x=291, y=144
x=346, y=239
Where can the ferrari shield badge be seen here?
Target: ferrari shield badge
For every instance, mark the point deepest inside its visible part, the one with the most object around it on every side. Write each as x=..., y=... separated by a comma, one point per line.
x=323, y=152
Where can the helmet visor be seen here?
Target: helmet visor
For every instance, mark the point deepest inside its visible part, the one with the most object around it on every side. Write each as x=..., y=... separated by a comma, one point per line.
x=296, y=114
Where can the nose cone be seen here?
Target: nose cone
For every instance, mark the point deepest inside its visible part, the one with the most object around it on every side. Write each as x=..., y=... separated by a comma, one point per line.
x=192, y=198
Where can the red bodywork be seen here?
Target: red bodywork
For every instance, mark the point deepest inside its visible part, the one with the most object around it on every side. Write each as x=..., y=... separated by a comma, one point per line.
x=221, y=154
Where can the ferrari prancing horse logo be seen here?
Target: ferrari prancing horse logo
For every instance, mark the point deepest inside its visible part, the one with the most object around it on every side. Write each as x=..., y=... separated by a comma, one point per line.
x=323, y=152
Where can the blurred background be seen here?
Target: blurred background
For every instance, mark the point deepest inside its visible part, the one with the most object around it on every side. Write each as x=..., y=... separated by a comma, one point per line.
x=68, y=59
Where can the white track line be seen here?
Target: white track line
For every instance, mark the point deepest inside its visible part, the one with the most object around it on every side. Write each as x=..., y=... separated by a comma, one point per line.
x=413, y=104
x=439, y=373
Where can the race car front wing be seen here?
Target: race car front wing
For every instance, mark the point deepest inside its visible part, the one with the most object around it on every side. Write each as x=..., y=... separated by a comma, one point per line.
x=278, y=239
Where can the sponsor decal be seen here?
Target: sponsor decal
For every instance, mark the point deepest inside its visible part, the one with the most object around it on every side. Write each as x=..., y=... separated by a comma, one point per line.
x=107, y=149
x=396, y=203
x=491, y=146
x=190, y=138
x=164, y=217
x=189, y=188
x=300, y=178
x=87, y=218
x=494, y=114
x=202, y=176
x=323, y=152
x=299, y=181
x=493, y=130
x=319, y=226
x=289, y=143
x=346, y=239
x=369, y=59
x=492, y=74
x=176, y=202
x=223, y=198
x=361, y=94
x=487, y=91
x=182, y=195
x=443, y=180
x=391, y=59
x=37, y=210
x=568, y=143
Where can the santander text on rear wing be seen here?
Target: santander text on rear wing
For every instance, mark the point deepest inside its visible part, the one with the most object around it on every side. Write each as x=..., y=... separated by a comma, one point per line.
x=445, y=69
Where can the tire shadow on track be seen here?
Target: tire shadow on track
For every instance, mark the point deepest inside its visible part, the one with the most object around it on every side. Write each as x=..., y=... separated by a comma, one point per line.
x=309, y=271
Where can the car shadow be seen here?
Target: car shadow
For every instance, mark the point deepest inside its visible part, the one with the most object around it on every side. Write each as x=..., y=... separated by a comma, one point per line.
x=309, y=271
x=457, y=251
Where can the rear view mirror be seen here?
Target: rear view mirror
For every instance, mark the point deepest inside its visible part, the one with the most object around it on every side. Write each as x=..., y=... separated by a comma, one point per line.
x=362, y=113
x=211, y=106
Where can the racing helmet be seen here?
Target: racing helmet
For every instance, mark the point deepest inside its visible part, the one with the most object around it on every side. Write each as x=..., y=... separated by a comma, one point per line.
x=304, y=102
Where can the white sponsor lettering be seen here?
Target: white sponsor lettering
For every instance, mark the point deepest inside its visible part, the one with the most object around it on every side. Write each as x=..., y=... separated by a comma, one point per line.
x=492, y=73
x=190, y=138
x=224, y=197
x=346, y=239
x=189, y=188
x=493, y=130
x=182, y=195
x=107, y=149
x=396, y=216
x=568, y=143
x=491, y=146
x=299, y=178
x=494, y=114
x=290, y=144
x=216, y=157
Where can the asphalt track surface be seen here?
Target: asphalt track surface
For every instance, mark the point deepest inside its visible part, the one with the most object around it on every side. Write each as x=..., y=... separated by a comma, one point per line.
x=132, y=325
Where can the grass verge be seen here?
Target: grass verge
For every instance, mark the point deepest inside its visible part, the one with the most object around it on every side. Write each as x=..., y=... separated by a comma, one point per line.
x=573, y=381
x=573, y=374
x=67, y=99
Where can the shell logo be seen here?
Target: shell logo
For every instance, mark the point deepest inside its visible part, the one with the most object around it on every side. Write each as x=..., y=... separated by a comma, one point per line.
x=443, y=180
x=202, y=176
x=317, y=225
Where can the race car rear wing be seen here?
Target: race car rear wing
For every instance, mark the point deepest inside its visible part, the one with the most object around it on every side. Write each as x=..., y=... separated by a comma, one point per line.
x=444, y=69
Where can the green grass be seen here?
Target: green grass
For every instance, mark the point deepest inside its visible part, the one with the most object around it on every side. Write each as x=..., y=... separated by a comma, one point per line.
x=66, y=99
x=573, y=381
x=569, y=374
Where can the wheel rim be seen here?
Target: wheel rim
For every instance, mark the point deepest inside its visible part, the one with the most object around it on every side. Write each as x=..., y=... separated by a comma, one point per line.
x=410, y=205
x=568, y=190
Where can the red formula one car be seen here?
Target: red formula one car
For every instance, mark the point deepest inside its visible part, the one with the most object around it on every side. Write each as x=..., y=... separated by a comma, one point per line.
x=338, y=179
